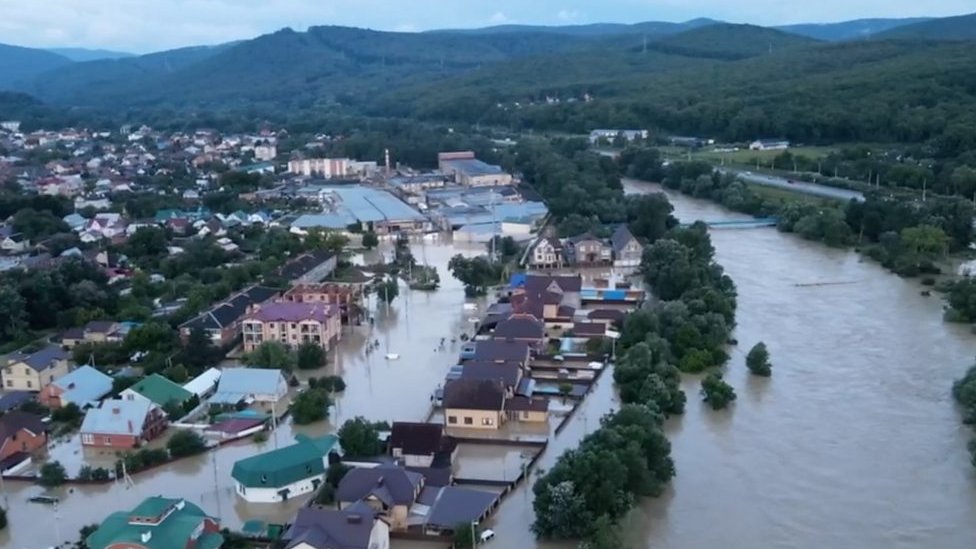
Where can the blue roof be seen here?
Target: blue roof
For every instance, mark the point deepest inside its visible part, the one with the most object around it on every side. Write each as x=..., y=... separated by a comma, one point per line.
x=358, y=204
x=119, y=417
x=517, y=280
x=84, y=386
x=475, y=215
x=237, y=384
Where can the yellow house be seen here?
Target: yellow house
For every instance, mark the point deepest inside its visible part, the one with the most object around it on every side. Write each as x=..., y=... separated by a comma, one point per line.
x=32, y=371
x=474, y=403
x=531, y=410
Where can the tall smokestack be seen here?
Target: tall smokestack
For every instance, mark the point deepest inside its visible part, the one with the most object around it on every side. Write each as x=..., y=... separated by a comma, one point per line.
x=386, y=155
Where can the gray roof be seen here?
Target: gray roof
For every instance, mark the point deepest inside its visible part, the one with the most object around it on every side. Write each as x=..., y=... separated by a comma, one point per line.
x=474, y=394
x=455, y=506
x=391, y=485
x=621, y=236
x=506, y=372
x=114, y=417
x=331, y=529
x=472, y=167
x=237, y=384
x=41, y=360
x=229, y=311
x=502, y=351
x=520, y=326
x=14, y=399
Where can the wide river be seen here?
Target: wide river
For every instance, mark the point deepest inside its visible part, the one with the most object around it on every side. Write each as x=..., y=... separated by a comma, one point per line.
x=853, y=443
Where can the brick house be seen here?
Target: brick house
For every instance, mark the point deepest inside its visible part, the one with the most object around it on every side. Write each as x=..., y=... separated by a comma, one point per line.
x=122, y=424
x=158, y=523
x=21, y=432
x=291, y=324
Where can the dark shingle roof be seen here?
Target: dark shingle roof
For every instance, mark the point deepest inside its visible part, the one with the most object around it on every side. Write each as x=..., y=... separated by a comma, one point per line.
x=521, y=403
x=14, y=399
x=621, y=236
x=474, y=394
x=520, y=326
x=418, y=439
x=455, y=506
x=14, y=421
x=501, y=351
x=391, y=485
x=230, y=311
x=614, y=315
x=40, y=360
x=567, y=283
x=506, y=372
x=331, y=529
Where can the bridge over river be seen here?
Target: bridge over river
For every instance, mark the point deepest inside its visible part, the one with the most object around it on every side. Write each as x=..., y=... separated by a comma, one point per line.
x=756, y=223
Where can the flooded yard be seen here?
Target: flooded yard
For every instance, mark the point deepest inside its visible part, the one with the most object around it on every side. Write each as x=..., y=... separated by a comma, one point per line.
x=491, y=462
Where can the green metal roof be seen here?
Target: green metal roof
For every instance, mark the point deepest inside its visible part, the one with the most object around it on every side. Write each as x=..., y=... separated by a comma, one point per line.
x=174, y=531
x=286, y=465
x=161, y=390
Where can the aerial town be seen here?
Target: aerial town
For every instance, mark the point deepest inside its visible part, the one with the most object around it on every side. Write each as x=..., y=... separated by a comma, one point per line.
x=220, y=316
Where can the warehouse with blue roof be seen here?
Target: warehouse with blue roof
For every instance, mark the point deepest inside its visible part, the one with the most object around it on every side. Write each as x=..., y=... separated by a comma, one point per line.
x=363, y=206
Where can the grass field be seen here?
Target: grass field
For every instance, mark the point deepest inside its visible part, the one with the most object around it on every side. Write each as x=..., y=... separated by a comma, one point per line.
x=745, y=157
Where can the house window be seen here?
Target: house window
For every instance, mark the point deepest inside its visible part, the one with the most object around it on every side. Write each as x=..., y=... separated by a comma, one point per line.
x=86, y=438
x=525, y=415
x=108, y=440
x=468, y=421
x=264, y=479
x=27, y=371
x=487, y=421
x=29, y=384
x=452, y=420
x=10, y=383
x=8, y=370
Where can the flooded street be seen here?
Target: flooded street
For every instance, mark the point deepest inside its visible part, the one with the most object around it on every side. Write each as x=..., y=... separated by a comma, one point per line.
x=376, y=388
x=853, y=442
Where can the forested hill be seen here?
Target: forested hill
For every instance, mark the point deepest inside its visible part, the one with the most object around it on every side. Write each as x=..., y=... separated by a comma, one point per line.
x=17, y=63
x=881, y=91
x=857, y=29
x=962, y=27
x=727, y=41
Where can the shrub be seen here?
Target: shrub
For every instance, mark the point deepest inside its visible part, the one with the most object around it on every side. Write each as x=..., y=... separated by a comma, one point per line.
x=758, y=360
x=716, y=392
x=186, y=443
x=52, y=474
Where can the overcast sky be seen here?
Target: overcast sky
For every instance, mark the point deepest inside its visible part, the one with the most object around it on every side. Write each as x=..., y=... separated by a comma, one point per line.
x=150, y=25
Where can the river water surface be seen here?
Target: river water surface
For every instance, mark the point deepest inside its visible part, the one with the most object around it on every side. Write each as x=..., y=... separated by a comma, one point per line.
x=853, y=443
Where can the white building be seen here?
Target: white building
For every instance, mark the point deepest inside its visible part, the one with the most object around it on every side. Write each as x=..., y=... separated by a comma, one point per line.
x=265, y=152
x=629, y=135
x=10, y=125
x=769, y=145
x=331, y=168
x=284, y=473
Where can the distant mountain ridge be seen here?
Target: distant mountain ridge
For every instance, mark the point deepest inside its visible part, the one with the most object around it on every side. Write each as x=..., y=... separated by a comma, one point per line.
x=652, y=28
x=849, y=30
x=17, y=63
x=961, y=27
x=85, y=54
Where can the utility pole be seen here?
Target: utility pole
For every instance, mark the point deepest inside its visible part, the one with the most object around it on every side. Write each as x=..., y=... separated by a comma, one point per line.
x=274, y=422
x=213, y=459
x=925, y=184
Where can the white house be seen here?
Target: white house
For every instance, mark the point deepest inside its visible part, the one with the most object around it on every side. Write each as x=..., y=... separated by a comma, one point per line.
x=547, y=253
x=283, y=473
x=204, y=384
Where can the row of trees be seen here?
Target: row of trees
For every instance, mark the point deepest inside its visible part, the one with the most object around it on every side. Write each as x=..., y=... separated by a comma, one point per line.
x=964, y=392
x=278, y=356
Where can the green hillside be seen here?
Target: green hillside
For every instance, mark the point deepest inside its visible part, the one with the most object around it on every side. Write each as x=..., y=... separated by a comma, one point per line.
x=18, y=64
x=730, y=42
x=962, y=27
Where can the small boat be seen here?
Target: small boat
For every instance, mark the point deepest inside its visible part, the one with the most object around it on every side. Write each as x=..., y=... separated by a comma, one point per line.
x=47, y=500
x=392, y=356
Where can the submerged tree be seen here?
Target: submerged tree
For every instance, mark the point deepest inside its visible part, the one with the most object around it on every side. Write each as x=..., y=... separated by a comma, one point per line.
x=758, y=360
x=716, y=392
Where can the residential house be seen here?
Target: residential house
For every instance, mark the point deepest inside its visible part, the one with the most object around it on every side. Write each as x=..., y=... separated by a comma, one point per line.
x=21, y=433
x=356, y=527
x=309, y=267
x=204, y=384
x=292, y=324
x=547, y=253
x=521, y=327
x=610, y=317
x=96, y=331
x=627, y=250
x=222, y=322
x=527, y=409
x=390, y=491
x=451, y=506
x=568, y=287
x=160, y=391
x=158, y=523
x=14, y=243
x=32, y=370
x=474, y=403
x=508, y=373
x=422, y=444
x=498, y=351
x=122, y=424
x=588, y=250
x=11, y=400
x=243, y=386
x=284, y=473
x=347, y=295
x=85, y=386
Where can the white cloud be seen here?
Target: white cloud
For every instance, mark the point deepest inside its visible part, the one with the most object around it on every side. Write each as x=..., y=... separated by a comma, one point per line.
x=568, y=15
x=498, y=18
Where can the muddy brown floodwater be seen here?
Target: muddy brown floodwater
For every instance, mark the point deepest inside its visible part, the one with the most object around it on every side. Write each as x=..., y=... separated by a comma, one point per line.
x=376, y=388
x=854, y=442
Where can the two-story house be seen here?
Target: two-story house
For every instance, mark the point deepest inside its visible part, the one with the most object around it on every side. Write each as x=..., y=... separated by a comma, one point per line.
x=474, y=403
x=292, y=323
x=122, y=424
x=547, y=253
x=21, y=432
x=588, y=250
x=355, y=527
x=627, y=250
x=33, y=370
x=390, y=491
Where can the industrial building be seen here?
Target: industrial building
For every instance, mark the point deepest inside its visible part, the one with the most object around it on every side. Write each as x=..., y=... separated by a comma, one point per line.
x=363, y=207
